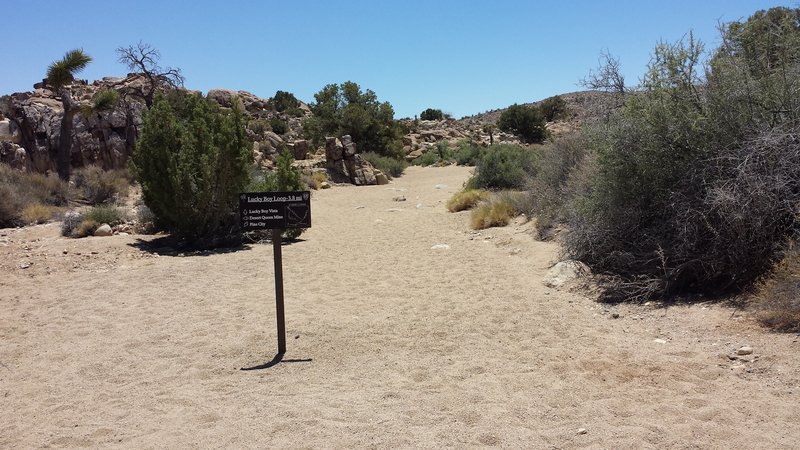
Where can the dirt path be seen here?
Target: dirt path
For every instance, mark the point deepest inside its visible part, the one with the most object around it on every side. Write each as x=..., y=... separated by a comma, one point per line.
x=394, y=341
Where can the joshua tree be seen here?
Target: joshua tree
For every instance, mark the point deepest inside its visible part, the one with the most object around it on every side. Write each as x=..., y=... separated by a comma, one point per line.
x=143, y=58
x=60, y=75
x=489, y=128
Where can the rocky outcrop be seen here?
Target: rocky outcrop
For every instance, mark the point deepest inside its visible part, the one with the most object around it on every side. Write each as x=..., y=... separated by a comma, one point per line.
x=345, y=165
x=104, y=139
x=30, y=131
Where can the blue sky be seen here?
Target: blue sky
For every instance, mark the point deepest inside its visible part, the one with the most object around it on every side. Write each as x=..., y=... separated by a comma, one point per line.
x=464, y=57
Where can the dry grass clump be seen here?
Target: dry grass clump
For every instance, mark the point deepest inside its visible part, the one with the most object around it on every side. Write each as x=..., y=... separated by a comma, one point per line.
x=496, y=212
x=777, y=299
x=38, y=213
x=313, y=180
x=98, y=186
x=20, y=190
x=86, y=228
x=467, y=199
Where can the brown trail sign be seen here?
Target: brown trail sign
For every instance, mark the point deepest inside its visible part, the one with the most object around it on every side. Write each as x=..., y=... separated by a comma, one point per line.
x=276, y=211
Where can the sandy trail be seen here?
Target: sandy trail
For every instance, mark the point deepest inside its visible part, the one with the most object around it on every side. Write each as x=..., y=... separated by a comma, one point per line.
x=391, y=343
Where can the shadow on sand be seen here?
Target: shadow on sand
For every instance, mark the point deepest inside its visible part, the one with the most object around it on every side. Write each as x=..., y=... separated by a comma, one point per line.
x=277, y=359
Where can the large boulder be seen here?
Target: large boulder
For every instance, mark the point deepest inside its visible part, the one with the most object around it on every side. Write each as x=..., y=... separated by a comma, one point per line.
x=300, y=149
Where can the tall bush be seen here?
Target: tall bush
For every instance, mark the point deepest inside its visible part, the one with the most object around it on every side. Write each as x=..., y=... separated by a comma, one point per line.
x=192, y=160
x=432, y=114
x=504, y=167
x=698, y=176
x=525, y=121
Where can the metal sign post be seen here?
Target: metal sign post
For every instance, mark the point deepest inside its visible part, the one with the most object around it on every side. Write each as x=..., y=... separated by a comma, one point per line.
x=276, y=250
x=276, y=211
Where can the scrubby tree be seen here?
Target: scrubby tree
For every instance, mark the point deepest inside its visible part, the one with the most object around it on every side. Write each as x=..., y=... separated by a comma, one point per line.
x=432, y=114
x=607, y=77
x=525, y=121
x=284, y=101
x=144, y=59
x=346, y=109
x=554, y=108
x=192, y=161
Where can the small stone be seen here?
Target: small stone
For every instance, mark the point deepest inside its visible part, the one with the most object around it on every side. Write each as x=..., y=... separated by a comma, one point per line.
x=744, y=351
x=325, y=185
x=65, y=252
x=401, y=198
x=659, y=341
x=360, y=207
x=440, y=247
x=582, y=431
x=24, y=265
x=440, y=186
x=615, y=315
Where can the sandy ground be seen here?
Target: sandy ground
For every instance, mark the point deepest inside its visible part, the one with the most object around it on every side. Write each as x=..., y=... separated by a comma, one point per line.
x=391, y=343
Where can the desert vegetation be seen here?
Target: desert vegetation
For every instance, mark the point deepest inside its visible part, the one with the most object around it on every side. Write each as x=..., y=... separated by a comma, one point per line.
x=347, y=110
x=192, y=161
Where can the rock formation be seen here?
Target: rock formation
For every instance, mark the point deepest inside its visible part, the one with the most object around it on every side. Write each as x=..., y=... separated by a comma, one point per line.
x=345, y=165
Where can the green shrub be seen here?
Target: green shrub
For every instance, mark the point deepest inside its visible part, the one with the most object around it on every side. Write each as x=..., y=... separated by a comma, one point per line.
x=192, y=160
x=432, y=114
x=97, y=186
x=427, y=159
x=279, y=125
x=467, y=154
x=390, y=166
x=283, y=101
x=554, y=108
x=259, y=126
x=504, y=167
x=466, y=199
x=105, y=214
x=526, y=122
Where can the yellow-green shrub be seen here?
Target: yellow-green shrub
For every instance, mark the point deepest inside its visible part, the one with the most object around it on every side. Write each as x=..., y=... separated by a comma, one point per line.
x=467, y=199
x=38, y=213
x=497, y=212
